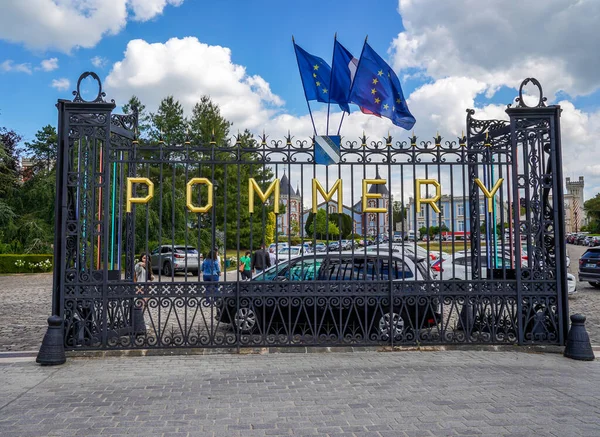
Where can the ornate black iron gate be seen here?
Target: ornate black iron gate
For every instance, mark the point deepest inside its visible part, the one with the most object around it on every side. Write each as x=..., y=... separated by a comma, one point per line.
x=412, y=242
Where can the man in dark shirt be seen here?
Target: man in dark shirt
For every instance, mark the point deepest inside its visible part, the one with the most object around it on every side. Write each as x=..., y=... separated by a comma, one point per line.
x=260, y=260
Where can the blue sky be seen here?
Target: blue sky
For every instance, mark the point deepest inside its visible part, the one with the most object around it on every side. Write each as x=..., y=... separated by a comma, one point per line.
x=258, y=34
x=448, y=55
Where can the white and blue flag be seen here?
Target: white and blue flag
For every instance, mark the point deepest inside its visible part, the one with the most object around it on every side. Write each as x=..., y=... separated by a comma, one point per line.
x=327, y=149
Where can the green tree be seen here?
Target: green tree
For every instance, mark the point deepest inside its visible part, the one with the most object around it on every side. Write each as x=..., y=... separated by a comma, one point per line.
x=308, y=223
x=323, y=228
x=144, y=119
x=294, y=228
x=345, y=220
x=270, y=228
x=9, y=159
x=43, y=151
x=592, y=208
x=207, y=124
x=166, y=218
x=169, y=124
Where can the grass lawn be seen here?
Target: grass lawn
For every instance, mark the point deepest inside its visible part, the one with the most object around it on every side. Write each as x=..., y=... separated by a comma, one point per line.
x=447, y=246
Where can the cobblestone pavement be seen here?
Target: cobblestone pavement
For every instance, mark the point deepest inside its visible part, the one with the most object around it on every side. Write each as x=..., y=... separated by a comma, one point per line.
x=451, y=393
x=25, y=306
x=587, y=299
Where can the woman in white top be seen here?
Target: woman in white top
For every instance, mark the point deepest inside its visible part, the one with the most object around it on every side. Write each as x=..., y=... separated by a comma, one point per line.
x=143, y=270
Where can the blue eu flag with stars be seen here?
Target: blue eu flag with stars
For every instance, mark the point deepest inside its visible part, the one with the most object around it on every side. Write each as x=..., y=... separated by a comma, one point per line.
x=315, y=74
x=377, y=89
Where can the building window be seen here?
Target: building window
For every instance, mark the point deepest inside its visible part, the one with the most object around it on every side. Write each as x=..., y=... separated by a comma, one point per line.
x=421, y=212
x=421, y=224
x=461, y=226
x=442, y=210
x=461, y=210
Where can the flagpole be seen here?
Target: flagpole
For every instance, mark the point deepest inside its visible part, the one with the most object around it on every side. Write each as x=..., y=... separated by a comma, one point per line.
x=341, y=121
x=330, y=78
x=304, y=87
x=352, y=84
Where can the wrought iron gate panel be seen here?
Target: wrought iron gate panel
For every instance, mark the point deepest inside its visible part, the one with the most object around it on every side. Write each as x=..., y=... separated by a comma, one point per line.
x=484, y=290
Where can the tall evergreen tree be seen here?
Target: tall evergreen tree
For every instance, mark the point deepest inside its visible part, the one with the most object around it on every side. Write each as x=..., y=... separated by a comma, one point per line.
x=144, y=119
x=44, y=149
x=9, y=161
x=169, y=124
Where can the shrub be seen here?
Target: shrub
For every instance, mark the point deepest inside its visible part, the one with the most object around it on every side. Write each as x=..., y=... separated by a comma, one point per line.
x=295, y=241
x=25, y=263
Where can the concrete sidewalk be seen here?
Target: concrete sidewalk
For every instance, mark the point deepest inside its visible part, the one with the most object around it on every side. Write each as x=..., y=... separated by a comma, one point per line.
x=447, y=393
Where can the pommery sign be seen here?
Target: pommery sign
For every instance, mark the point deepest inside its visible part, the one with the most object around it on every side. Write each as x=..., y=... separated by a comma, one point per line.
x=273, y=189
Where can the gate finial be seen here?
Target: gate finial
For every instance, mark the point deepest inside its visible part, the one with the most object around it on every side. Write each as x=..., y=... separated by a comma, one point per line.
x=541, y=101
x=77, y=93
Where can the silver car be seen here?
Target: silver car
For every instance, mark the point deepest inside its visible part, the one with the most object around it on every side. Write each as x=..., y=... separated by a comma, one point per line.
x=171, y=259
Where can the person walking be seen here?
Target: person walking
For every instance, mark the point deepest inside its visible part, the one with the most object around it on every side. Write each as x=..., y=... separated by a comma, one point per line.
x=142, y=272
x=260, y=260
x=272, y=256
x=245, y=267
x=211, y=268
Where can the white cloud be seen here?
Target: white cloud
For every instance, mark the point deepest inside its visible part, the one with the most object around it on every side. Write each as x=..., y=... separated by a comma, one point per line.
x=61, y=84
x=144, y=10
x=49, y=64
x=99, y=61
x=68, y=24
x=10, y=66
x=262, y=88
x=501, y=43
x=194, y=69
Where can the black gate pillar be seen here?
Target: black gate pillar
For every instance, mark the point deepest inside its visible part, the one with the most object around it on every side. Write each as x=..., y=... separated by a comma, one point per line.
x=83, y=133
x=537, y=168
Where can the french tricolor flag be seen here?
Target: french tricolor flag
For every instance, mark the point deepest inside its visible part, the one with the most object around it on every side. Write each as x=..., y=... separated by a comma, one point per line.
x=343, y=69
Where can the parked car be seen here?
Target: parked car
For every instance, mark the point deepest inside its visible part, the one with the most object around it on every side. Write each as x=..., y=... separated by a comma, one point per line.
x=170, y=259
x=589, y=267
x=571, y=283
x=346, y=244
x=411, y=249
x=286, y=252
x=580, y=239
x=334, y=245
x=594, y=241
x=343, y=270
x=439, y=254
x=277, y=246
x=320, y=247
x=459, y=266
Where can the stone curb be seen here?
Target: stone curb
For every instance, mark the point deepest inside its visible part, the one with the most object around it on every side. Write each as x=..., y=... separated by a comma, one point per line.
x=309, y=350
x=26, y=355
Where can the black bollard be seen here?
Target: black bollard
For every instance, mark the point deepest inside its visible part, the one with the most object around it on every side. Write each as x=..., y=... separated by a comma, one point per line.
x=52, y=351
x=138, y=323
x=578, y=341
